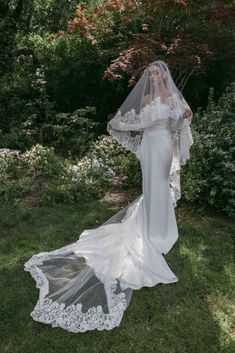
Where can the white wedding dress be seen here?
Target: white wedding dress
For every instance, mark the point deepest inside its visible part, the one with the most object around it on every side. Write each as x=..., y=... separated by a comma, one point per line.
x=88, y=284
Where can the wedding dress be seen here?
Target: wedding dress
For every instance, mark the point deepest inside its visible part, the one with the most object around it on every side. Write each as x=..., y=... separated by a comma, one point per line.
x=88, y=284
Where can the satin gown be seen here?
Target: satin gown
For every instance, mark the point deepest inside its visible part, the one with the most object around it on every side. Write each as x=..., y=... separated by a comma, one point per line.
x=88, y=284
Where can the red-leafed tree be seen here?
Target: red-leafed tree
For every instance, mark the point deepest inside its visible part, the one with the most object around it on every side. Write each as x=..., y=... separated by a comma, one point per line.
x=190, y=36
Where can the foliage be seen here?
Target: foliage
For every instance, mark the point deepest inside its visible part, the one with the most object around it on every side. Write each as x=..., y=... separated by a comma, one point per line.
x=67, y=132
x=64, y=181
x=110, y=159
x=58, y=192
x=18, y=138
x=19, y=171
x=12, y=191
x=143, y=32
x=37, y=161
x=66, y=66
x=95, y=165
x=209, y=177
x=74, y=45
x=130, y=167
x=87, y=178
x=41, y=161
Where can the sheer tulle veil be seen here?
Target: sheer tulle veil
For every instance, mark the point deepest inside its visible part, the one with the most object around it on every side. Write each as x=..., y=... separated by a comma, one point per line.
x=142, y=109
x=81, y=285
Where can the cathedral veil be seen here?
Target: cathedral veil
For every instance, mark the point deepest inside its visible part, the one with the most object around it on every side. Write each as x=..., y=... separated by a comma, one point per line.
x=81, y=286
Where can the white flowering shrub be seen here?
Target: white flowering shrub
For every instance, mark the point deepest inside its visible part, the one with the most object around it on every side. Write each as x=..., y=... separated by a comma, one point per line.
x=7, y=158
x=98, y=164
x=88, y=178
x=41, y=160
x=11, y=190
x=66, y=181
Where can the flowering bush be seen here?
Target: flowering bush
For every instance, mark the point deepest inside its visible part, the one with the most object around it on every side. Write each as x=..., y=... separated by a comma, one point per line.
x=89, y=177
x=7, y=159
x=66, y=181
x=41, y=160
x=98, y=164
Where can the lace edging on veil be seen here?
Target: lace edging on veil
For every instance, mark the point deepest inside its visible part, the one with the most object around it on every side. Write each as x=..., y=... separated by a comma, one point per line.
x=74, y=294
x=71, y=317
x=182, y=141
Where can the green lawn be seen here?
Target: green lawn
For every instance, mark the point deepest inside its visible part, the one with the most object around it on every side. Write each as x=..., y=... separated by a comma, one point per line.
x=194, y=315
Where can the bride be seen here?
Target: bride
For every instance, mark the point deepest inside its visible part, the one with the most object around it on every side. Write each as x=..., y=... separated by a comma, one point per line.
x=88, y=284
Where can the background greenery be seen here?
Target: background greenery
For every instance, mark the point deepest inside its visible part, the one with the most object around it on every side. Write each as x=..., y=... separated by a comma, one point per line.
x=65, y=68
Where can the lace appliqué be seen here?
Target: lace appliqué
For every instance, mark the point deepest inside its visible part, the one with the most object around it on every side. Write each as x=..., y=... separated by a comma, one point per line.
x=186, y=141
x=124, y=138
x=123, y=126
x=71, y=318
x=182, y=141
x=181, y=137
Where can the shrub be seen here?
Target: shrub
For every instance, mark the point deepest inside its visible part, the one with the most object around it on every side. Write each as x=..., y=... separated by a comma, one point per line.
x=209, y=177
x=58, y=192
x=64, y=181
x=11, y=191
x=40, y=160
x=131, y=170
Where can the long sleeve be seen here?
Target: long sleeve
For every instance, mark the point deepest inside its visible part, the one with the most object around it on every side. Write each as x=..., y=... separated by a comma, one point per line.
x=132, y=121
x=120, y=125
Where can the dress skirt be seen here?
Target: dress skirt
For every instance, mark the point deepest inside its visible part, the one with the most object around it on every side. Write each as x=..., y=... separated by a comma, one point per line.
x=88, y=284
x=158, y=215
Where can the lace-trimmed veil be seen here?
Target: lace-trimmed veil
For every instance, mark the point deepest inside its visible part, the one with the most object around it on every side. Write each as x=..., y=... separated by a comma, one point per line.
x=142, y=109
x=73, y=293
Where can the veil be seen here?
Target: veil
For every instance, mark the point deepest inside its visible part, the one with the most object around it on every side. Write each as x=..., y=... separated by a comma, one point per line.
x=81, y=285
x=142, y=109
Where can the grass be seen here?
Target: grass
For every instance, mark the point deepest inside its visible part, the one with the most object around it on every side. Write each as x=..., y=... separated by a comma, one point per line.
x=194, y=315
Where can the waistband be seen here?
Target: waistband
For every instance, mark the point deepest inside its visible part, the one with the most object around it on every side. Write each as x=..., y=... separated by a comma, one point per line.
x=159, y=125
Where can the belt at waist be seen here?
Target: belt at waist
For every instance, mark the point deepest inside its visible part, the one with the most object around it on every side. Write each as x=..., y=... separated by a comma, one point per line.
x=161, y=124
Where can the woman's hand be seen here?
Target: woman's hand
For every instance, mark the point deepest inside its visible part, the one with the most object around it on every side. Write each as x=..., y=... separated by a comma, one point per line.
x=110, y=124
x=113, y=124
x=187, y=113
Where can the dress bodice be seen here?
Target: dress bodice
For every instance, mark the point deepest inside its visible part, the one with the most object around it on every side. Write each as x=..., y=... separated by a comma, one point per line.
x=160, y=124
x=161, y=110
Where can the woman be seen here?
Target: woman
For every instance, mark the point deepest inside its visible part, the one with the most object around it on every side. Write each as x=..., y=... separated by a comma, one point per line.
x=88, y=284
